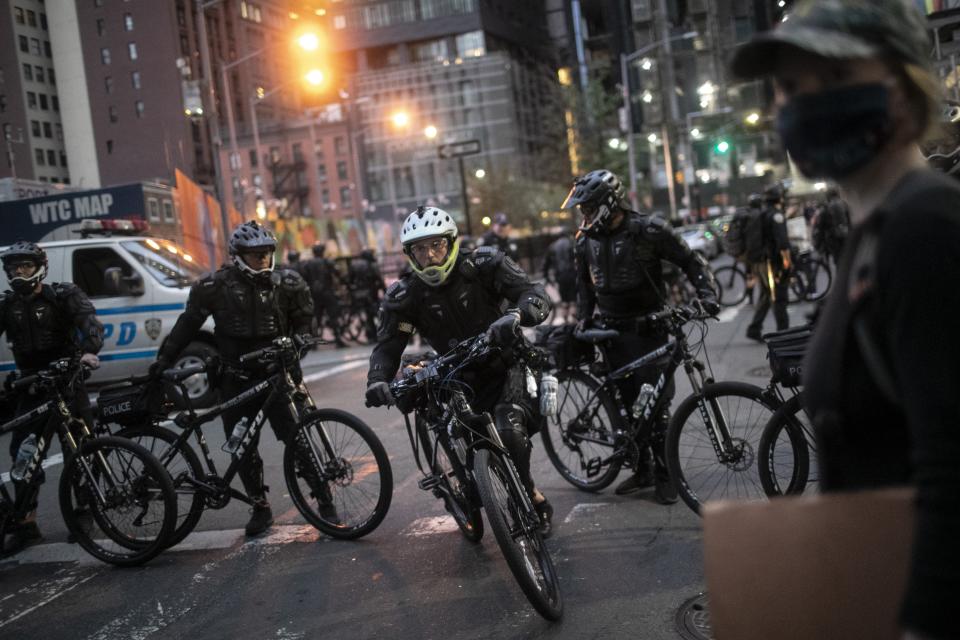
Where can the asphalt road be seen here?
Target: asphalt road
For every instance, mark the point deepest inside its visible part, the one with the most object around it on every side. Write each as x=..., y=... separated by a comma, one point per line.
x=626, y=563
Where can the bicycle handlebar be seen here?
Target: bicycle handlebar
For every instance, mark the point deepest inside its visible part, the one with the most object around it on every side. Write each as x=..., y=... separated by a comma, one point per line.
x=280, y=346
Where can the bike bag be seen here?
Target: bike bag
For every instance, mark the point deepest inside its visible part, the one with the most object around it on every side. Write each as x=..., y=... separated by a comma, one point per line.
x=785, y=351
x=130, y=404
x=566, y=351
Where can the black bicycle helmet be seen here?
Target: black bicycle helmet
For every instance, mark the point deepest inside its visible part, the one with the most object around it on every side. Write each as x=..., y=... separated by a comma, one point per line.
x=319, y=249
x=368, y=255
x=754, y=201
x=23, y=251
x=774, y=193
x=293, y=256
x=250, y=236
x=597, y=194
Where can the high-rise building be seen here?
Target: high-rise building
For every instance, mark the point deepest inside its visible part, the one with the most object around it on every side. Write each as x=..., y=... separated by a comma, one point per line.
x=30, y=106
x=425, y=73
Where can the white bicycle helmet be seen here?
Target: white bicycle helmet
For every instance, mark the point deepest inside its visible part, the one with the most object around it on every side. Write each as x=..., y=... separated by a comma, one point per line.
x=430, y=222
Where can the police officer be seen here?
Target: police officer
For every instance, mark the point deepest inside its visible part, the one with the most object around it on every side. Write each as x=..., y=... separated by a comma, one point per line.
x=322, y=276
x=293, y=261
x=619, y=273
x=366, y=284
x=251, y=304
x=498, y=235
x=831, y=225
x=43, y=323
x=452, y=296
x=771, y=263
x=558, y=266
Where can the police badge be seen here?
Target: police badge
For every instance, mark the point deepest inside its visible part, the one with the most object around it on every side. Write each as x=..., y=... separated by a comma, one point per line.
x=152, y=327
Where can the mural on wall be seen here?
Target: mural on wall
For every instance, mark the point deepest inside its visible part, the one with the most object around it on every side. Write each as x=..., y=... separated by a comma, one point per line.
x=932, y=6
x=203, y=233
x=344, y=237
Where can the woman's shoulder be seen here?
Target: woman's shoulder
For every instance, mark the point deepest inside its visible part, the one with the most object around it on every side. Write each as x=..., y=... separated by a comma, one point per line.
x=925, y=205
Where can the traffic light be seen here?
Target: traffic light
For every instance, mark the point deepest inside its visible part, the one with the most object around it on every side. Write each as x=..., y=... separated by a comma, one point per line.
x=722, y=146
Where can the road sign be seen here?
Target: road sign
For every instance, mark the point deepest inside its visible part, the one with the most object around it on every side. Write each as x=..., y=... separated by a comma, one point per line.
x=459, y=149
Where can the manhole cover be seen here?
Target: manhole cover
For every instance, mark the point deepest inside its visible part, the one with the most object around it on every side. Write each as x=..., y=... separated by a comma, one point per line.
x=759, y=372
x=693, y=619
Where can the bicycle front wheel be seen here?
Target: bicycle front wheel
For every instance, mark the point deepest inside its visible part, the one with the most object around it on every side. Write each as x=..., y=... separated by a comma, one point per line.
x=185, y=469
x=118, y=501
x=733, y=285
x=784, y=452
x=338, y=474
x=518, y=534
x=712, y=442
x=580, y=439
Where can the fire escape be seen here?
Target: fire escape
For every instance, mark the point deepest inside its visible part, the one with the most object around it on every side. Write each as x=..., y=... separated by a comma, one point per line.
x=290, y=186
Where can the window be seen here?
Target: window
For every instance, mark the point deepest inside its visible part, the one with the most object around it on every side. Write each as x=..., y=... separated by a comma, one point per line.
x=38, y=156
x=345, y=197
x=59, y=129
x=101, y=27
x=38, y=74
x=168, y=268
x=47, y=130
x=339, y=146
x=50, y=76
x=55, y=103
x=297, y=152
x=322, y=171
x=470, y=45
x=128, y=22
x=47, y=51
x=132, y=50
x=63, y=158
x=51, y=157
x=24, y=46
x=325, y=196
x=27, y=72
x=112, y=111
x=35, y=128
x=109, y=146
x=108, y=84
x=153, y=210
x=105, y=56
x=135, y=79
x=43, y=101
x=18, y=15
x=342, y=170
x=43, y=21
x=253, y=158
x=89, y=267
x=138, y=106
x=168, y=211
x=35, y=46
x=31, y=18
x=31, y=99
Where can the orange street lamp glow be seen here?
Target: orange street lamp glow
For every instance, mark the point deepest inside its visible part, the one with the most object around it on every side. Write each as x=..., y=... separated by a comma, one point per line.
x=309, y=42
x=314, y=77
x=400, y=119
x=430, y=132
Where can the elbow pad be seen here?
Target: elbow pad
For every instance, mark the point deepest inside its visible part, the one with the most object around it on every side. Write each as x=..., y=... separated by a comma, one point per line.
x=534, y=307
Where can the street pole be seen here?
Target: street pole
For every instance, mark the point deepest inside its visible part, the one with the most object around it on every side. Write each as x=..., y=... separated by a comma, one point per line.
x=670, y=81
x=668, y=168
x=256, y=137
x=463, y=193
x=631, y=152
x=213, y=121
x=690, y=168
x=238, y=198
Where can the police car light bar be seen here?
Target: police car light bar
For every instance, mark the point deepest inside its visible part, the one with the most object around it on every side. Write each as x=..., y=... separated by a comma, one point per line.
x=109, y=227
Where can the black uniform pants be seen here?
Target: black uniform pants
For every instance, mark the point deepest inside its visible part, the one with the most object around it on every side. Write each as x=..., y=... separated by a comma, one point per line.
x=282, y=419
x=777, y=298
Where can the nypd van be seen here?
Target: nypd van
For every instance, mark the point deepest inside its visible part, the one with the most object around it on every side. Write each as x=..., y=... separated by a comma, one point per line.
x=139, y=286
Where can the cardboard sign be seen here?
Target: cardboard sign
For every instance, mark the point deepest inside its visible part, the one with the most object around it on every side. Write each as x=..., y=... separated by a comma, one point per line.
x=810, y=568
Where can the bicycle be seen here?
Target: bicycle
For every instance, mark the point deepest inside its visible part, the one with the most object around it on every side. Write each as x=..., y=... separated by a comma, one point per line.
x=733, y=282
x=355, y=316
x=335, y=468
x=469, y=468
x=116, y=499
x=810, y=277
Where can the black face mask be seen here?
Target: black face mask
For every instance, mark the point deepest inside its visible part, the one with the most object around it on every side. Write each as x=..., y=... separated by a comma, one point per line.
x=833, y=133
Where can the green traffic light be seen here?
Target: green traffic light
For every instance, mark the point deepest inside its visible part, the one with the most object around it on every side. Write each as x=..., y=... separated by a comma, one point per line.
x=723, y=146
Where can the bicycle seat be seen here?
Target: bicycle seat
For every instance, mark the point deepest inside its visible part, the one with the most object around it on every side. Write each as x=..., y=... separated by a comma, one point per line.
x=596, y=335
x=182, y=373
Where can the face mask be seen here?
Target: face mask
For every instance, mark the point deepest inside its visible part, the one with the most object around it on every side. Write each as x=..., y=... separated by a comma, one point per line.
x=833, y=133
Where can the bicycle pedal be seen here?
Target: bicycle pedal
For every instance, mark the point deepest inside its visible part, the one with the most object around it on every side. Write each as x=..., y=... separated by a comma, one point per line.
x=593, y=466
x=429, y=483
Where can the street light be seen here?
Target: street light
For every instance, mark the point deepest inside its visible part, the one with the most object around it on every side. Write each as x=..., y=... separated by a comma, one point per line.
x=400, y=119
x=753, y=118
x=480, y=173
x=314, y=77
x=430, y=132
x=695, y=134
x=625, y=59
x=309, y=42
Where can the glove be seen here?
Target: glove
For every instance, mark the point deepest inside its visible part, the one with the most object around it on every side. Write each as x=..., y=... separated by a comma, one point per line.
x=504, y=331
x=90, y=360
x=583, y=325
x=709, y=306
x=158, y=367
x=379, y=395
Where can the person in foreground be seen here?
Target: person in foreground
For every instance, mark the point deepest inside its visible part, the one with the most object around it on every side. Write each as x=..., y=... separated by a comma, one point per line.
x=856, y=94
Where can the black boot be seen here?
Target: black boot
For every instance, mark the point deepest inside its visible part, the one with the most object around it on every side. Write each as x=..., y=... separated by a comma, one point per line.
x=642, y=476
x=261, y=518
x=664, y=490
x=545, y=511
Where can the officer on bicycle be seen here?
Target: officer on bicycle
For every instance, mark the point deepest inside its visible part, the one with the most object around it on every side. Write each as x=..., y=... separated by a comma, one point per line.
x=366, y=284
x=322, y=276
x=451, y=296
x=768, y=250
x=252, y=304
x=43, y=323
x=619, y=273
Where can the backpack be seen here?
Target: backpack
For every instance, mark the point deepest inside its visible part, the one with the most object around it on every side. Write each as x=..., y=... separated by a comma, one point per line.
x=755, y=236
x=734, y=240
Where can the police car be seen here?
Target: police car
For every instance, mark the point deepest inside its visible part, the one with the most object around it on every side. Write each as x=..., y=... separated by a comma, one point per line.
x=139, y=286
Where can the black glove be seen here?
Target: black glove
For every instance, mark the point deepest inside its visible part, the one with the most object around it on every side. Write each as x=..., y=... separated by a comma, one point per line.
x=583, y=325
x=504, y=332
x=709, y=306
x=158, y=367
x=379, y=395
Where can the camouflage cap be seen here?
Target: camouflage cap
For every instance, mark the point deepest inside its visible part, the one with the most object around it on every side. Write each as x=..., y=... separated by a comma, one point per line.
x=840, y=29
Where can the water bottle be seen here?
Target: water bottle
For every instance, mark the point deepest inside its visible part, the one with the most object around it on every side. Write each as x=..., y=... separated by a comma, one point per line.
x=28, y=448
x=233, y=442
x=548, y=396
x=645, y=396
x=531, y=383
